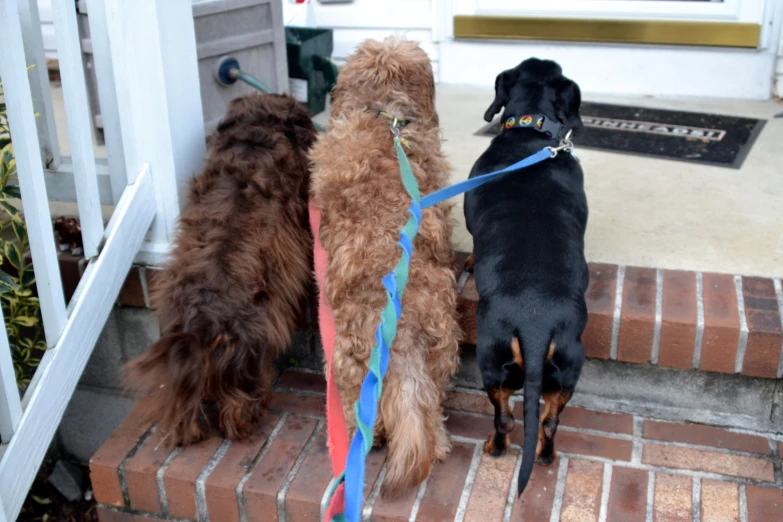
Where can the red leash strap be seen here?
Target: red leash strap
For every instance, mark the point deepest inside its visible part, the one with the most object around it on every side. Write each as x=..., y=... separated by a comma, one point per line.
x=337, y=438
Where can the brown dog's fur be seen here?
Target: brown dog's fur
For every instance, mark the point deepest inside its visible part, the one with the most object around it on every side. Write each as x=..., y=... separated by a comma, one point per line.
x=357, y=186
x=229, y=298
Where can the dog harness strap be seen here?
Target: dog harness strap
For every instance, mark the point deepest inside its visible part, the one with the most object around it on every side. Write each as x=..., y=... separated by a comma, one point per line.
x=469, y=184
x=366, y=408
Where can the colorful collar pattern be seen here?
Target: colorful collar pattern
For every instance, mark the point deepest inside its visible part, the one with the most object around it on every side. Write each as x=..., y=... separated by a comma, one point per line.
x=552, y=128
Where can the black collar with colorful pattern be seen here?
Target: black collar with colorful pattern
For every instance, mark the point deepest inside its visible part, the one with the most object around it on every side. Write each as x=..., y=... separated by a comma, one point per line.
x=552, y=128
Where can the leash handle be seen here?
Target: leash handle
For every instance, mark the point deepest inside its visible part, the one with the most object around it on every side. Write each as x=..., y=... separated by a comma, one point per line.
x=449, y=192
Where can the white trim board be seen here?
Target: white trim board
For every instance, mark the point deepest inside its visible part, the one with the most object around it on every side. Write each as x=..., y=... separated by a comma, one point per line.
x=634, y=70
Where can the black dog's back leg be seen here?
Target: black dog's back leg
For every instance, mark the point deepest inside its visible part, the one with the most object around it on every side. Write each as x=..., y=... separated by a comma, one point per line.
x=499, y=387
x=559, y=386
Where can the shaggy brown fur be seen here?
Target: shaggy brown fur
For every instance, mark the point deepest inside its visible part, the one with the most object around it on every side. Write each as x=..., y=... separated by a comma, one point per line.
x=357, y=186
x=229, y=299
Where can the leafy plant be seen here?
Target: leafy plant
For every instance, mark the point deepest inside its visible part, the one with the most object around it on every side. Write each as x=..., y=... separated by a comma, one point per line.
x=21, y=308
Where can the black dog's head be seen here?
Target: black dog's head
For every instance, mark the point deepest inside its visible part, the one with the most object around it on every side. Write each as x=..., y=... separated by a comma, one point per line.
x=538, y=86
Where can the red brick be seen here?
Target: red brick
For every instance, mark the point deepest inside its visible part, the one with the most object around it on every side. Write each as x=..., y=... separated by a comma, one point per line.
x=468, y=402
x=467, y=307
x=303, y=499
x=593, y=445
x=220, y=486
x=582, y=497
x=302, y=381
x=140, y=474
x=131, y=293
x=104, y=465
x=678, y=319
x=719, y=501
x=70, y=273
x=394, y=509
x=721, y=324
x=536, y=501
x=637, y=324
x=151, y=274
x=697, y=460
x=764, y=504
x=600, y=297
x=180, y=478
x=478, y=428
x=673, y=498
x=299, y=404
x=628, y=495
x=260, y=491
x=765, y=333
x=445, y=485
x=705, y=436
x=597, y=420
x=489, y=494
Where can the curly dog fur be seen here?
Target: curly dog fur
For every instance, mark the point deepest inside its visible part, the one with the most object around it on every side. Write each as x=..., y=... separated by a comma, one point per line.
x=229, y=298
x=357, y=186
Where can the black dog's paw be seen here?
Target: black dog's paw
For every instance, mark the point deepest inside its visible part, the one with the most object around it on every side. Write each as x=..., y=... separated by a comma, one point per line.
x=545, y=460
x=497, y=445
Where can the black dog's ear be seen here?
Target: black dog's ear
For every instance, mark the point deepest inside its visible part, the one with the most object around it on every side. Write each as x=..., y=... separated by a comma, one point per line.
x=501, y=97
x=568, y=101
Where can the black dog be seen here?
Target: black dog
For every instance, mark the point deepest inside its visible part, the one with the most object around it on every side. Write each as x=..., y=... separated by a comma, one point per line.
x=528, y=231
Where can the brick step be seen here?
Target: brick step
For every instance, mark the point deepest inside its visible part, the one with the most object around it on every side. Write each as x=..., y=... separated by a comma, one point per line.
x=670, y=318
x=611, y=466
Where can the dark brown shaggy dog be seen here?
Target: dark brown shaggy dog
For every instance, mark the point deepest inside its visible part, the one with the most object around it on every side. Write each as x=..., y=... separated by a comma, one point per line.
x=357, y=186
x=229, y=298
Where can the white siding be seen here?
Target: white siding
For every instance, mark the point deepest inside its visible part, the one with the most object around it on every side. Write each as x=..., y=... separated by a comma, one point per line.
x=47, y=27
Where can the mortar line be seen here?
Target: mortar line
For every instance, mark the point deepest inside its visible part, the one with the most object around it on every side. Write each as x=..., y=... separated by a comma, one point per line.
x=656, y=347
x=618, y=308
x=201, y=481
x=638, y=433
x=696, y=499
x=240, y=490
x=281, y=511
x=145, y=292
x=777, y=465
x=779, y=294
x=650, y=497
x=606, y=487
x=164, y=502
x=742, y=344
x=462, y=508
x=376, y=491
x=697, y=343
x=419, y=497
x=743, y=503
x=512, y=490
x=557, y=503
x=462, y=281
x=121, y=469
x=307, y=393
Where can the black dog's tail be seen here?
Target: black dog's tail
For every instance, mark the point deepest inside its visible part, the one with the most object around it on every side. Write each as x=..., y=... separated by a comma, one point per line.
x=534, y=350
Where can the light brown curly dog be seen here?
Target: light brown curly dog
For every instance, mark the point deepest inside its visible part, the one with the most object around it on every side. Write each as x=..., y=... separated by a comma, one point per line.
x=229, y=298
x=356, y=184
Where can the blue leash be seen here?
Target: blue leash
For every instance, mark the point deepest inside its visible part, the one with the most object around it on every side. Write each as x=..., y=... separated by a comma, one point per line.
x=469, y=184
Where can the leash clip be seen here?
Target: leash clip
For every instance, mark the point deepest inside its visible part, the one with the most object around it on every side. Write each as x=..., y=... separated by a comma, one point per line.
x=566, y=145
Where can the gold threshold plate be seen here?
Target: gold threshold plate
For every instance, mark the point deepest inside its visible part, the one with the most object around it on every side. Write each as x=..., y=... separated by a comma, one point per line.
x=662, y=32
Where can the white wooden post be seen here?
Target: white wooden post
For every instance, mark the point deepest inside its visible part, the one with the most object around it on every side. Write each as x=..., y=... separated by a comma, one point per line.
x=24, y=135
x=99, y=36
x=77, y=113
x=10, y=405
x=39, y=82
x=158, y=81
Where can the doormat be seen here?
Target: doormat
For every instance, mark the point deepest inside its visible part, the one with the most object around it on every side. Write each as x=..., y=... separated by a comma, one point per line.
x=711, y=139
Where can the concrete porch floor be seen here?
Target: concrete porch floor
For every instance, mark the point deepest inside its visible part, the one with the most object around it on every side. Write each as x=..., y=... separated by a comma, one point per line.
x=653, y=212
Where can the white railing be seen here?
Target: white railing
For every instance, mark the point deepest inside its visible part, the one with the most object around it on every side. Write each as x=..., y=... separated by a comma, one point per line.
x=145, y=60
